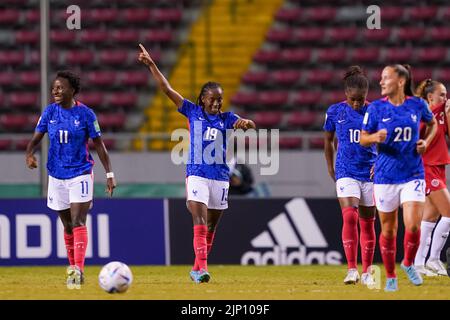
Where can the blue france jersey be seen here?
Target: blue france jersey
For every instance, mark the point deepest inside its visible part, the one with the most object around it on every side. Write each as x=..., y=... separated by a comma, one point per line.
x=352, y=160
x=398, y=160
x=69, y=131
x=207, y=135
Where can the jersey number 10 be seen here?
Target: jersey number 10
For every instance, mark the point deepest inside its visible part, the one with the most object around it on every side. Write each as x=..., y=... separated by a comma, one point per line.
x=63, y=136
x=355, y=135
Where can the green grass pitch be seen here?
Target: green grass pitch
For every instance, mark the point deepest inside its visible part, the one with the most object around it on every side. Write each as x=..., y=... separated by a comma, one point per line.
x=227, y=283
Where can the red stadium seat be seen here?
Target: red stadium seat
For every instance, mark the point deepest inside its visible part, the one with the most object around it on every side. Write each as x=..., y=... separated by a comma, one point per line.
x=9, y=16
x=299, y=55
x=439, y=33
x=318, y=76
x=302, y=119
x=343, y=34
x=166, y=15
x=309, y=34
x=306, y=98
x=321, y=14
x=62, y=36
x=125, y=35
x=96, y=36
x=436, y=54
x=30, y=78
x=13, y=122
x=21, y=145
x=422, y=13
x=7, y=78
x=411, y=33
x=420, y=74
x=366, y=54
x=35, y=57
x=373, y=95
x=92, y=99
x=256, y=77
x=5, y=144
x=12, y=57
x=316, y=142
x=273, y=98
x=110, y=144
x=334, y=96
x=291, y=142
x=392, y=13
x=27, y=37
x=267, y=56
x=268, y=119
x=445, y=13
x=32, y=16
x=113, y=57
x=244, y=98
x=137, y=15
x=398, y=55
x=332, y=55
x=114, y=121
x=123, y=99
x=103, y=15
x=288, y=14
x=443, y=75
x=24, y=100
x=285, y=77
x=134, y=78
x=279, y=35
x=158, y=35
x=375, y=36
x=80, y=57
x=102, y=78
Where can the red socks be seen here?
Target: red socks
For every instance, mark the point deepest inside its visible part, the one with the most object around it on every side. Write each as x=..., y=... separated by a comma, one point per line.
x=68, y=239
x=388, y=248
x=200, y=247
x=411, y=243
x=367, y=241
x=80, y=239
x=350, y=235
x=209, y=242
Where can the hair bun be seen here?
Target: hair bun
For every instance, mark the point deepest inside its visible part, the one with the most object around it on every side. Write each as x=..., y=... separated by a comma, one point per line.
x=353, y=70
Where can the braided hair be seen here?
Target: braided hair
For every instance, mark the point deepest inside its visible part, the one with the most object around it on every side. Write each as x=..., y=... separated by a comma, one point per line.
x=355, y=78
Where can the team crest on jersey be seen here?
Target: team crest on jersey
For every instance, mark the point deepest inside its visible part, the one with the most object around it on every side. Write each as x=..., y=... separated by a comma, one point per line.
x=414, y=117
x=435, y=182
x=221, y=124
x=76, y=122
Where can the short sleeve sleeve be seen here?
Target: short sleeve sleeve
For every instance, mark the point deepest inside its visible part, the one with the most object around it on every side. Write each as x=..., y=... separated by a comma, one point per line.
x=187, y=108
x=92, y=125
x=329, y=122
x=42, y=125
x=370, y=122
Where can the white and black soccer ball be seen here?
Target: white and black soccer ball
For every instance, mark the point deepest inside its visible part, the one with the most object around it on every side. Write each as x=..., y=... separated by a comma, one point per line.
x=115, y=277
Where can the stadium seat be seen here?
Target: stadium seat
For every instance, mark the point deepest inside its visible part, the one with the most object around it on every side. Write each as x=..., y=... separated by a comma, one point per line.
x=279, y=35
x=340, y=34
x=334, y=96
x=242, y=98
x=267, y=56
x=158, y=35
x=123, y=99
x=301, y=119
x=30, y=78
x=137, y=15
x=373, y=95
x=13, y=122
x=422, y=13
x=134, y=78
x=389, y=13
x=375, y=36
x=370, y=54
x=316, y=143
x=96, y=36
x=32, y=17
x=5, y=144
x=291, y=142
x=288, y=14
x=111, y=121
x=333, y=55
x=109, y=143
x=21, y=144
x=102, y=15
x=125, y=36
x=318, y=76
x=172, y=15
x=309, y=34
x=420, y=74
x=93, y=99
x=296, y=55
x=28, y=100
x=35, y=58
x=321, y=14
x=411, y=33
x=398, y=55
x=436, y=54
x=440, y=34
x=65, y=37
x=80, y=57
x=27, y=37
x=7, y=78
x=443, y=75
x=285, y=77
x=102, y=78
x=12, y=57
x=256, y=77
x=9, y=16
x=306, y=98
x=113, y=57
x=268, y=119
x=273, y=98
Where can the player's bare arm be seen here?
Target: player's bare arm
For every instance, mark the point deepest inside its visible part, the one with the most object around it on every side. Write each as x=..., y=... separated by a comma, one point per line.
x=163, y=84
x=104, y=158
x=430, y=132
x=30, y=159
x=378, y=137
x=329, y=152
x=244, y=124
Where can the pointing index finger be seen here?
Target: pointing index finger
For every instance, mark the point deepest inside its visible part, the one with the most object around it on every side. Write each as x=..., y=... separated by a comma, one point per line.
x=143, y=48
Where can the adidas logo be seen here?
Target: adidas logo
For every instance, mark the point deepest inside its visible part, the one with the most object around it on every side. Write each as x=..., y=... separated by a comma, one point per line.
x=297, y=230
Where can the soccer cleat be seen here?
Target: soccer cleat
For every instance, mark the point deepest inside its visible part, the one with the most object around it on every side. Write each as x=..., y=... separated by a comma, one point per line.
x=194, y=275
x=74, y=277
x=437, y=266
x=425, y=271
x=352, y=276
x=413, y=275
x=391, y=285
x=367, y=279
x=203, y=276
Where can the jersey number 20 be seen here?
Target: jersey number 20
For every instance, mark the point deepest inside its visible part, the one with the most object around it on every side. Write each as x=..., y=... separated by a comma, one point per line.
x=402, y=134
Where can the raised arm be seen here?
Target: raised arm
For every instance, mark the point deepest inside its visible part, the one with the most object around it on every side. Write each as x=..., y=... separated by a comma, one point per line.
x=329, y=152
x=106, y=162
x=163, y=84
x=30, y=159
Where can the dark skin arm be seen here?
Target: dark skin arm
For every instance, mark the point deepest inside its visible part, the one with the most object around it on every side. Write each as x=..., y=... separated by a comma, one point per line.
x=162, y=82
x=329, y=153
x=244, y=124
x=104, y=158
x=30, y=159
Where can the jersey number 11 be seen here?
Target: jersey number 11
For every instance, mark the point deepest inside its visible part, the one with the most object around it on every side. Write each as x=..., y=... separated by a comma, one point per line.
x=63, y=136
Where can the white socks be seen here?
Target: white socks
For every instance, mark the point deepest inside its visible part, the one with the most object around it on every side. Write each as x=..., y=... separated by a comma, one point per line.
x=426, y=228
x=439, y=238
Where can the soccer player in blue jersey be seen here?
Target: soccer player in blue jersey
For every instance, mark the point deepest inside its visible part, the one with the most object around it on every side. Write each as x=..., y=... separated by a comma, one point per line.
x=352, y=173
x=207, y=179
x=70, y=124
x=393, y=123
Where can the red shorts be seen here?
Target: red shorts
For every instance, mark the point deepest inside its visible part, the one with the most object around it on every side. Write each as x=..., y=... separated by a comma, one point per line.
x=435, y=178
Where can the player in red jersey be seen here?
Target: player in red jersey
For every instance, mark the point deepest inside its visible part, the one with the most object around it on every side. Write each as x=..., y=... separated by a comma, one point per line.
x=438, y=197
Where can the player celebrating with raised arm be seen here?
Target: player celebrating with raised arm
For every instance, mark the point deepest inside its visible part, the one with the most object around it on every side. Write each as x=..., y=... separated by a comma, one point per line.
x=207, y=181
x=393, y=123
x=437, y=201
x=69, y=125
x=352, y=174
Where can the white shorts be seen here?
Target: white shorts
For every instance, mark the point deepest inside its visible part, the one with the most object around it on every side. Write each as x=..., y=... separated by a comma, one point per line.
x=61, y=193
x=213, y=193
x=388, y=197
x=348, y=187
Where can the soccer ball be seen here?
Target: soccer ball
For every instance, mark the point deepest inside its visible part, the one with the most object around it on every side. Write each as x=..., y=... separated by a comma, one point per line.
x=115, y=277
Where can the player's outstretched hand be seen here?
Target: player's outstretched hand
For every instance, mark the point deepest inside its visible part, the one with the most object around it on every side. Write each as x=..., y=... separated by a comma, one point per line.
x=421, y=146
x=380, y=136
x=110, y=185
x=31, y=161
x=145, y=57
